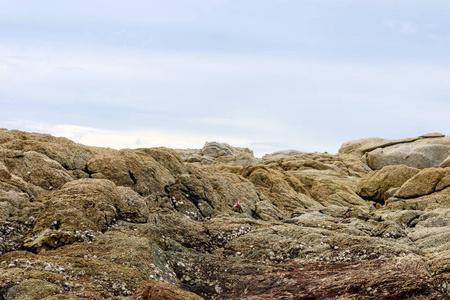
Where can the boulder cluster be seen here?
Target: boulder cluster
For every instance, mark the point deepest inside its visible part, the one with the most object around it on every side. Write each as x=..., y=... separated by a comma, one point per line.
x=81, y=222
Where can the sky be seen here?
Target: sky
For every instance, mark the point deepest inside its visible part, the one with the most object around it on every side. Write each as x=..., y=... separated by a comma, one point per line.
x=267, y=75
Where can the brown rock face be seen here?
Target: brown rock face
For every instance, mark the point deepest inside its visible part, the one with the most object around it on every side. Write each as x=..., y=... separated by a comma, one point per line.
x=85, y=204
x=131, y=168
x=36, y=169
x=80, y=222
x=70, y=155
x=153, y=289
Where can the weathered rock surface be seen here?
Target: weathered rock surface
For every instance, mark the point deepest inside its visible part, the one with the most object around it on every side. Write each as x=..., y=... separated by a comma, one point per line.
x=80, y=222
x=153, y=289
x=426, y=151
x=70, y=155
x=131, y=168
x=213, y=151
x=379, y=185
x=281, y=154
x=424, y=183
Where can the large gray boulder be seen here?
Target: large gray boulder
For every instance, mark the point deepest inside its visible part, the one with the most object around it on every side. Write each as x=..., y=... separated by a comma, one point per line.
x=426, y=151
x=416, y=156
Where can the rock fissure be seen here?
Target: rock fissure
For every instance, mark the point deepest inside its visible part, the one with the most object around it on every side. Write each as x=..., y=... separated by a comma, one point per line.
x=132, y=177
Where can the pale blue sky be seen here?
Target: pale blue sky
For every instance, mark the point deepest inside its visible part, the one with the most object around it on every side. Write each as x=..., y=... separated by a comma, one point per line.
x=268, y=75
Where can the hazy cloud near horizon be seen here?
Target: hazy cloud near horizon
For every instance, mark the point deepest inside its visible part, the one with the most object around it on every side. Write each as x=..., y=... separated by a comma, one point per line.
x=260, y=74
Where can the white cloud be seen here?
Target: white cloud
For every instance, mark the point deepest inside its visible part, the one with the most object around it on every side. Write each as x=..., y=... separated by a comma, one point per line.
x=267, y=103
x=119, y=139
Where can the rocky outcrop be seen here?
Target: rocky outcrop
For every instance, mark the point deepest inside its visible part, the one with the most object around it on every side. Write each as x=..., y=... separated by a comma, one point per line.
x=213, y=151
x=132, y=168
x=407, y=188
x=380, y=185
x=281, y=154
x=425, y=182
x=79, y=222
x=426, y=151
x=36, y=169
x=70, y=155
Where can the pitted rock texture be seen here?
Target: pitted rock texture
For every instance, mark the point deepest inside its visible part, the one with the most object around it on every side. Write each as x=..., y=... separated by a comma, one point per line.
x=79, y=222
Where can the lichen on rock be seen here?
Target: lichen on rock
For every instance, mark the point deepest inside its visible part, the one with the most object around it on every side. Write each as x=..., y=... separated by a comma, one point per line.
x=79, y=222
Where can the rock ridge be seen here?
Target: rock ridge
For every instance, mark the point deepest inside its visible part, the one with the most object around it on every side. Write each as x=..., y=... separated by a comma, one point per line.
x=80, y=222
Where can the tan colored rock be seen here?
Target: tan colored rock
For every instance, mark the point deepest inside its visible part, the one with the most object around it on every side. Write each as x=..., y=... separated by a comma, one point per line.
x=361, y=146
x=207, y=191
x=191, y=155
x=307, y=181
x=36, y=169
x=132, y=207
x=282, y=154
x=215, y=150
x=389, y=229
x=4, y=172
x=340, y=164
x=50, y=239
x=390, y=193
x=241, y=159
x=70, y=155
x=16, y=184
x=445, y=163
x=329, y=191
x=212, y=151
x=131, y=168
x=265, y=210
x=6, y=210
x=374, y=185
x=303, y=231
x=14, y=197
x=404, y=218
x=285, y=191
x=153, y=289
x=444, y=182
x=437, y=200
x=358, y=147
x=330, y=188
x=434, y=221
x=168, y=158
x=433, y=135
x=85, y=204
x=423, y=183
